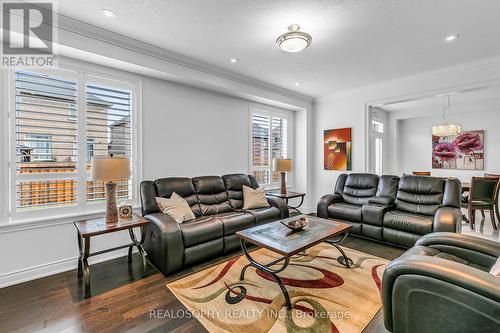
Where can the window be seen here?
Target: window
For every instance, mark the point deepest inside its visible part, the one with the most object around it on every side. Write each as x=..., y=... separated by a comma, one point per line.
x=269, y=132
x=376, y=141
x=57, y=132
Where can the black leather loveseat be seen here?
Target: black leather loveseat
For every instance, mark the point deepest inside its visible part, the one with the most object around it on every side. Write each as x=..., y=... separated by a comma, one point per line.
x=392, y=209
x=216, y=202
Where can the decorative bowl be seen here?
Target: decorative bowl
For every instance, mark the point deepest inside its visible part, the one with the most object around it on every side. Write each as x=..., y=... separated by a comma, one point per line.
x=296, y=225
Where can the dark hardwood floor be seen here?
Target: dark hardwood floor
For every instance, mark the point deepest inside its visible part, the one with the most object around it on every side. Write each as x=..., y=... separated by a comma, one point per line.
x=121, y=299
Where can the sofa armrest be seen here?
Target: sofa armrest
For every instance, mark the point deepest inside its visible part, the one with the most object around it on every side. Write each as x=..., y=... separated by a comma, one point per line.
x=164, y=243
x=447, y=219
x=429, y=274
x=374, y=214
x=479, y=251
x=280, y=204
x=325, y=201
x=382, y=201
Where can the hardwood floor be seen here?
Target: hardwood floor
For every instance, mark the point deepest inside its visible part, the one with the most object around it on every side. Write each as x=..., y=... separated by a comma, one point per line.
x=121, y=300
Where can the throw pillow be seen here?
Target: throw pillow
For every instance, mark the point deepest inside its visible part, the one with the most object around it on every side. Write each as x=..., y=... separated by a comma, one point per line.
x=254, y=198
x=177, y=207
x=495, y=270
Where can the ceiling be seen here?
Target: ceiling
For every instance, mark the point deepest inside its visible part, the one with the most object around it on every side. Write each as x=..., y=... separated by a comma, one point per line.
x=481, y=98
x=355, y=42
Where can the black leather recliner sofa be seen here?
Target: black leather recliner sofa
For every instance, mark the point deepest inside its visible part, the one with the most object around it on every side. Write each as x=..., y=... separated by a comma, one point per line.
x=394, y=210
x=217, y=203
x=442, y=284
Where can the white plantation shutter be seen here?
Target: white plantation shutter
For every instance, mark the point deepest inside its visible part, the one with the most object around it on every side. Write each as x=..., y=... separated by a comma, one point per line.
x=58, y=128
x=109, y=131
x=45, y=141
x=269, y=140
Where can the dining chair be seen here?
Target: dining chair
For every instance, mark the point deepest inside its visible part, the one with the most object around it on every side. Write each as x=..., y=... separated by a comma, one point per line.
x=497, y=210
x=421, y=173
x=482, y=196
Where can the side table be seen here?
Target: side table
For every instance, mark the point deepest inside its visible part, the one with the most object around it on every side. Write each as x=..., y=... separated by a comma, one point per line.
x=287, y=196
x=94, y=227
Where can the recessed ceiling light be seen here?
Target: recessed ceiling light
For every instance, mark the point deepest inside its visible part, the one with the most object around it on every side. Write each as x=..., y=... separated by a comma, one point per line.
x=451, y=38
x=233, y=60
x=294, y=40
x=108, y=13
x=297, y=84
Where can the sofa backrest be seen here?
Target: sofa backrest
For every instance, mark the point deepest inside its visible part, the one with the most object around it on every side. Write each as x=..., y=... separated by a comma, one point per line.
x=183, y=187
x=164, y=187
x=234, y=187
x=212, y=195
x=387, y=186
x=357, y=188
x=420, y=194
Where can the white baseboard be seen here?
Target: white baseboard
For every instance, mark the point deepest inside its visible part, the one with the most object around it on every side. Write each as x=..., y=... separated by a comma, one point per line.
x=307, y=210
x=36, y=272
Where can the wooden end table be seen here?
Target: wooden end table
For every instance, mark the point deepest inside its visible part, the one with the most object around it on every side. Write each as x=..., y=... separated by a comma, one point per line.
x=287, y=196
x=94, y=227
x=278, y=238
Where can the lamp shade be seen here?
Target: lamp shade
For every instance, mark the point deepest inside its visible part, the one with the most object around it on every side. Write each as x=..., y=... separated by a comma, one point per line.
x=110, y=168
x=282, y=164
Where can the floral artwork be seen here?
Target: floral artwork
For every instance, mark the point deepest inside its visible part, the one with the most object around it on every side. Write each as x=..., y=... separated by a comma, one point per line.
x=464, y=151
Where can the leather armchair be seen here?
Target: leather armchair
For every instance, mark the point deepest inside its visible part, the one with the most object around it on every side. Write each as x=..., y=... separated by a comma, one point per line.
x=442, y=284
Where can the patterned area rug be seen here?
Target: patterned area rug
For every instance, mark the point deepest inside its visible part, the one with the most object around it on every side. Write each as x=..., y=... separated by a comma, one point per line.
x=326, y=296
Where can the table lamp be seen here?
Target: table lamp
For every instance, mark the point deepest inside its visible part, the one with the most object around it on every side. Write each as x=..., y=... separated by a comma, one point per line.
x=110, y=169
x=282, y=165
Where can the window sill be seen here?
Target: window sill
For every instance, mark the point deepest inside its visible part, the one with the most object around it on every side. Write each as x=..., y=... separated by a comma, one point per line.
x=52, y=221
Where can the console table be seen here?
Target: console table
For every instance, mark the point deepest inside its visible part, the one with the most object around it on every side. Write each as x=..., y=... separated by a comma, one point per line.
x=94, y=227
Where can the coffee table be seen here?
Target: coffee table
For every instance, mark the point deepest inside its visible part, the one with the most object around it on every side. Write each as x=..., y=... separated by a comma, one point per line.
x=278, y=238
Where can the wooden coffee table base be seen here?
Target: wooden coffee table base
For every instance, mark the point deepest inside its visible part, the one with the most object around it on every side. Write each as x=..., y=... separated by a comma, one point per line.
x=343, y=259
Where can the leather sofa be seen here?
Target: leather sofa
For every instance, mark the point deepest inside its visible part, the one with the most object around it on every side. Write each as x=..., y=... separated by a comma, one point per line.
x=442, y=284
x=217, y=203
x=394, y=210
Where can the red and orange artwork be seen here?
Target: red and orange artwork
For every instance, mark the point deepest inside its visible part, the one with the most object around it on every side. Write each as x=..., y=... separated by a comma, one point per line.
x=337, y=149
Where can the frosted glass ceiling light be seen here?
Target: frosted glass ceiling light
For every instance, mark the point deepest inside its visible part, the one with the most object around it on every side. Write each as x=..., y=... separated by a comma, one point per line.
x=294, y=40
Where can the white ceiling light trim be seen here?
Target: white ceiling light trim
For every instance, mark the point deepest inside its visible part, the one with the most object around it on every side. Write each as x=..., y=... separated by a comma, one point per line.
x=108, y=12
x=294, y=40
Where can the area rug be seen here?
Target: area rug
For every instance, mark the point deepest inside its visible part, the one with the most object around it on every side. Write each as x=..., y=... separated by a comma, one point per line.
x=326, y=296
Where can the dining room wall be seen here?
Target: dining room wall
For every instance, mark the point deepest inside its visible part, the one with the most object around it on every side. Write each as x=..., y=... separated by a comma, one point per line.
x=415, y=142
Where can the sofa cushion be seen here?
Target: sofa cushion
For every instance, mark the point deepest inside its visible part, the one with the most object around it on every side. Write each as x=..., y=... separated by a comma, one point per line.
x=212, y=195
x=359, y=187
x=201, y=230
x=420, y=194
x=234, y=188
x=254, y=198
x=183, y=187
x=176, y=207
x=345, y=211
x=235, y=221
x=409, y=222
x=264, y=215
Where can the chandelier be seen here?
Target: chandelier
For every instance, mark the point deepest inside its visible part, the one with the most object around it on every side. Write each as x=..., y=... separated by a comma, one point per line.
x=446, y=129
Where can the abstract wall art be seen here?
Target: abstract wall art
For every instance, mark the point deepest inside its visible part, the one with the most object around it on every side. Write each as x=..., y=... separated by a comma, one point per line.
x=337, y=149
x=464, y=151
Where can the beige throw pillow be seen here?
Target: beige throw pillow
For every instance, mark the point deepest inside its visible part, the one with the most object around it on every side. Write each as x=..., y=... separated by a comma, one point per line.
x=177, y=207
x=254, y=198
x=495, y=270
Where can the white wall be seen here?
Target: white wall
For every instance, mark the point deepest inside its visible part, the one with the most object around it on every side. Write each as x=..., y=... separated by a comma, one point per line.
x=186, y=131
x=415, y=143
x=348, y=109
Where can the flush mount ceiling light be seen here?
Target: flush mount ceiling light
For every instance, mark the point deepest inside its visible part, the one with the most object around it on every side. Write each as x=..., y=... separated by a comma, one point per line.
x=233, y=60
x=446, y=129
x=451, y=38
x=294, y=40
x=108, y=12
